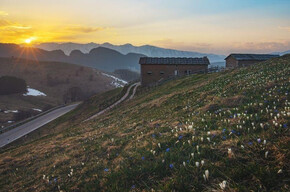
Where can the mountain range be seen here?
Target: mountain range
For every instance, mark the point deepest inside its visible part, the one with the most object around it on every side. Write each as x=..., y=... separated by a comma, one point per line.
x=99, y=58
x=148, y=50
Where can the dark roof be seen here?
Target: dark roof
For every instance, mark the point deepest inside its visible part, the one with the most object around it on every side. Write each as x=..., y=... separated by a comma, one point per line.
x=247, y=57
x=174, y=60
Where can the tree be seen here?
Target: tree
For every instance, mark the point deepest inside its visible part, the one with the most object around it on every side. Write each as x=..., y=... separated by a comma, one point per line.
x=12, y=85
x=73, y=94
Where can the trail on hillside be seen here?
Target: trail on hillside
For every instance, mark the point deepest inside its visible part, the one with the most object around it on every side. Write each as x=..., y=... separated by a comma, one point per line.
x=135, y=85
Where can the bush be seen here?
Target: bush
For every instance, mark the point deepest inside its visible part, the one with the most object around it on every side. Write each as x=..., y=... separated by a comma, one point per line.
x=12, y=85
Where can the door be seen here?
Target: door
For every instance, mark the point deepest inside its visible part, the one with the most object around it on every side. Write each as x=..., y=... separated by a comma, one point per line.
x=176, y=72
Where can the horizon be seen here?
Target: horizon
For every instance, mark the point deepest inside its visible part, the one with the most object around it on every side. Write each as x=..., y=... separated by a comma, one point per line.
x=205, y=26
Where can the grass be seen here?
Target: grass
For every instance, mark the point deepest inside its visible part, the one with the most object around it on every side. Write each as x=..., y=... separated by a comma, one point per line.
x=234, y=124
x=52, y=78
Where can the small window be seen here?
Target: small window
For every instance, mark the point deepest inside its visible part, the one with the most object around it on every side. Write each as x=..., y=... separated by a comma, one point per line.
x=162, y=72
x=149, y=72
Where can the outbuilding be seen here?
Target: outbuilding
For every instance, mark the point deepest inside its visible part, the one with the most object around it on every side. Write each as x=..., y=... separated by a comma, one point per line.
x=243, y=60
x=156, y=69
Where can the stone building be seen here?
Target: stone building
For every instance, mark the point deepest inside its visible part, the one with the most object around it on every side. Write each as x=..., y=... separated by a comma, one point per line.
x=244, y=60
x=155, y=70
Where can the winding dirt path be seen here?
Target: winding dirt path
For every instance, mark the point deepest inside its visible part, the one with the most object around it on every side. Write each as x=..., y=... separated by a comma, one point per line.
x=118, y=102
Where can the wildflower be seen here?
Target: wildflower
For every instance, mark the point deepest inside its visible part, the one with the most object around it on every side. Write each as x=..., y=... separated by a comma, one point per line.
x=264, y=142
x=259, y=140
x=168, y=149
x=204, y=177
x=180, y=137
x=192, y=155
x=133, y=187
x=106, y=169
x=206, y=174
x=280, y=171
x=159, y=145
x=143, y=158
x=43, y=177
x=202, y=162
x=223, y=185
x=285, y=125
x=266, y=154
x=242, y=146
x=163, y=160
x=197, y=164
x=197, y=147
x=230, y=153
x=171, y=166
x=183, y=163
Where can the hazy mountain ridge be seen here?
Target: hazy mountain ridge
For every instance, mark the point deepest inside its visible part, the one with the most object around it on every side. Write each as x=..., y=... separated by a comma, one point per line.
x=281, y=53
x=100, y=58
x=148, y=50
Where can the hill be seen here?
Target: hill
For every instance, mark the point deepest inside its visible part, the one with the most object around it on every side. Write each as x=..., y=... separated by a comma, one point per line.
x=55, y=80
x=127, y=75
x=148, y=50
x=217, y=131
x=99, y=58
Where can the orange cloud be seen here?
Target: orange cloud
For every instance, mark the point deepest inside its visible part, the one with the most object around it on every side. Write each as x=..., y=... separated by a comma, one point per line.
x=83, y=29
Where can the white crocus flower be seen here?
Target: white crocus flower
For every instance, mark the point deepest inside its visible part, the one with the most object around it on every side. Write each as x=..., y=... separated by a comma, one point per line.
x=266, y=154
x=265, y=142
x=197, y=164
x=206, y=174
x=223, y=185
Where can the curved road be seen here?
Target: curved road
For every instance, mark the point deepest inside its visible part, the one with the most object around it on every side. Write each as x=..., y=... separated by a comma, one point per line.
x=22, y=130
x=118, y=102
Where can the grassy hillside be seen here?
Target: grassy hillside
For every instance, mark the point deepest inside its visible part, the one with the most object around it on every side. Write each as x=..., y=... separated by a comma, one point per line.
x=225, y=130
x=52, y=78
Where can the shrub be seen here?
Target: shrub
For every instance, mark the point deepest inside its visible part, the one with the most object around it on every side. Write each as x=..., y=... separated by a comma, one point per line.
x=12, y=85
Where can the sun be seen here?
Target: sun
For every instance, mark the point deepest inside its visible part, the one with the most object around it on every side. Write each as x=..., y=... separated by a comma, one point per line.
x=27, y=41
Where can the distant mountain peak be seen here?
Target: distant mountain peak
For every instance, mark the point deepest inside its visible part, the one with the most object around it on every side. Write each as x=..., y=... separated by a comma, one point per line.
x=147, y=50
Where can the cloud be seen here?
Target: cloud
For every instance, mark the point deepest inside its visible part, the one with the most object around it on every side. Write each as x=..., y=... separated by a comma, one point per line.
x=3, y=13
x=170, y=43
x=82, y=29
x=8, y=25
x=287, y=28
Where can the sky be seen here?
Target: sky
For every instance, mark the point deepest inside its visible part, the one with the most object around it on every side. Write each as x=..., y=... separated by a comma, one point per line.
x=210, y=26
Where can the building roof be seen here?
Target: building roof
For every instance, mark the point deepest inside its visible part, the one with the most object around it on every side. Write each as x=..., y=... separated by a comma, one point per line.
x=250, y=57
x=174, y=61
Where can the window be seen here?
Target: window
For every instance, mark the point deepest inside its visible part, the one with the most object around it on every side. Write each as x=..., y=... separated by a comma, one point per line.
x=162, y=72
x=149, y=72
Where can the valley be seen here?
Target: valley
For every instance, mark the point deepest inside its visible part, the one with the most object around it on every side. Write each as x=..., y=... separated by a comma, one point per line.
x=204, y=132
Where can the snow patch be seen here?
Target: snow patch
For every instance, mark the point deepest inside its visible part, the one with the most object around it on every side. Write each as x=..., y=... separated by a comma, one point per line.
x=11, y=111
x=33, y=92
x=39, y=110
x=116, y=81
